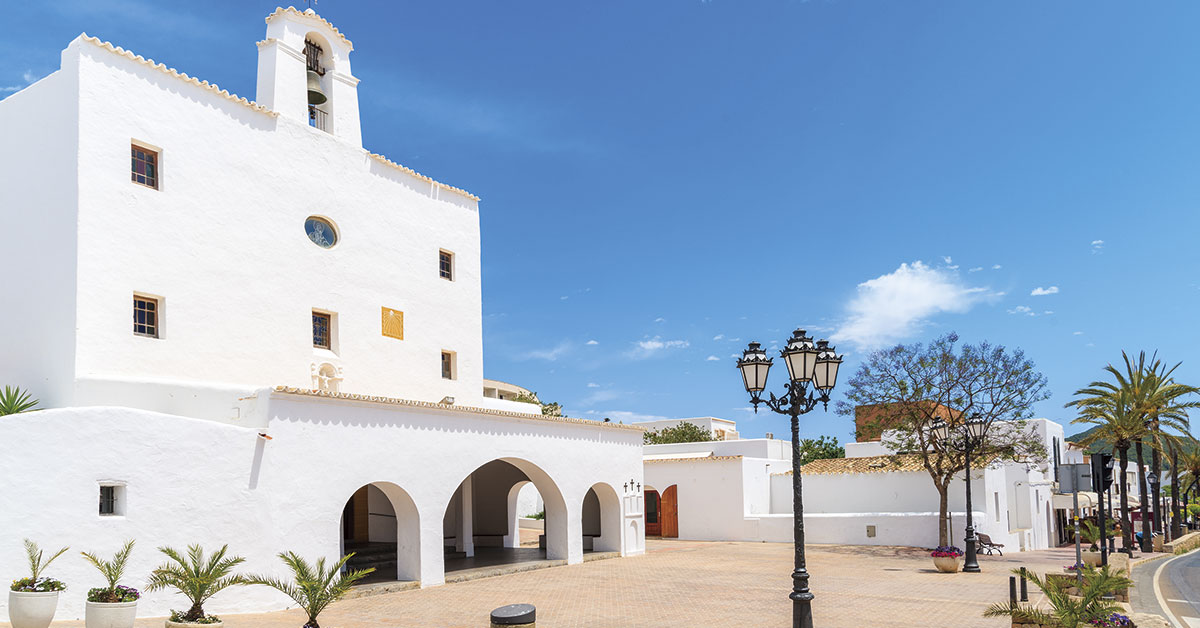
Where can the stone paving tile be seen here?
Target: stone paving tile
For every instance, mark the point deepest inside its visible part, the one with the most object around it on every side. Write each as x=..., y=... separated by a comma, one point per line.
x=683, y=584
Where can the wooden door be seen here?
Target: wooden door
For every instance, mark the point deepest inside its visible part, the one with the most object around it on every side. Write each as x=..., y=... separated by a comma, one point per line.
x=670, y=514
x=653, y=527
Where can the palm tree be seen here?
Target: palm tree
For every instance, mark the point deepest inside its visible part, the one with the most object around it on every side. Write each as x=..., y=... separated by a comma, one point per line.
x=1150, y=399
x=113, y=571
x=313, y=587
x=196, y=578
x=1068, y=611
x=1108, y=407
x=14, y=400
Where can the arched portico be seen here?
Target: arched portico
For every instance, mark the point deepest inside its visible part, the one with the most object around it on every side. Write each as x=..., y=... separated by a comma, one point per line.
x=381, y=526
x=601, y=519
x=479, y=527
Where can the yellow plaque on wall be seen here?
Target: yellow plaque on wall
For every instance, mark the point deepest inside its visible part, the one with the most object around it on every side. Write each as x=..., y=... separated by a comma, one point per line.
x=393, y=323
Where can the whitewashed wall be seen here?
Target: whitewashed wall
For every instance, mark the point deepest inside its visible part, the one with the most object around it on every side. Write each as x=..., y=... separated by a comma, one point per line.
x=194, y=481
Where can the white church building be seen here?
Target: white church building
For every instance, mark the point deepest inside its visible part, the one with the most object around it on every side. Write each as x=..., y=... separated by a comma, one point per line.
x=245, y=328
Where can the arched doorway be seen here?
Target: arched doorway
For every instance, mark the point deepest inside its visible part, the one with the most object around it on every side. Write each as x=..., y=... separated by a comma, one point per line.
x=480, y=524
x=380, y=526
x=601, y=519
x=669, y=513
x=653, y=512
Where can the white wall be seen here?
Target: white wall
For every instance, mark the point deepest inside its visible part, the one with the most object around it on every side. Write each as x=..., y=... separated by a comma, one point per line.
x=709, y=493
x=39, y=129
x=195, y=481
x=751, y=447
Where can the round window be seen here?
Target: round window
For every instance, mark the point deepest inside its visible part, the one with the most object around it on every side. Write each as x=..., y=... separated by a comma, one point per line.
x=321, y=232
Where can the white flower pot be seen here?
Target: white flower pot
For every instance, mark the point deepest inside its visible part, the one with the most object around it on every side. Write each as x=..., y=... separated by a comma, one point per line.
x=1091, y=558
x=188, y=624
x=110, y=615
x=946, y=564
x=31, y=610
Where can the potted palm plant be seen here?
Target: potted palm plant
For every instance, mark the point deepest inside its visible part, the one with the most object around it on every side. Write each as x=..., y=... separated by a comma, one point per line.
x=1090, y=534
x=196, y=578
x=33, y=600
x=1089, y=608
x=114, y=606
x=313, y=587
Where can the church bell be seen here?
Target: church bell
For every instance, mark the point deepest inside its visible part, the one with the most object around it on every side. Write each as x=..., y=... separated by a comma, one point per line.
x=315, y=95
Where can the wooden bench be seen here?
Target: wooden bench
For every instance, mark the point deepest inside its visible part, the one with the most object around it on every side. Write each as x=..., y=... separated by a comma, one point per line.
x=985, y=545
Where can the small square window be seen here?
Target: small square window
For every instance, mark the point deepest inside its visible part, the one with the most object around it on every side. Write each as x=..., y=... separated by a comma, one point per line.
x=447, y=365
x=146, y=316
x=322, y=330
x=446, y=265
x=144, y=166
x=112, y=500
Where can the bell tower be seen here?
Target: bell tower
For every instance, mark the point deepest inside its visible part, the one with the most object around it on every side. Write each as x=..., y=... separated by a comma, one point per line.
x=304, y=73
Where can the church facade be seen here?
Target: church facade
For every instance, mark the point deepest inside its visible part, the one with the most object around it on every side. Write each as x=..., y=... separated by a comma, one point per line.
x=247, y=329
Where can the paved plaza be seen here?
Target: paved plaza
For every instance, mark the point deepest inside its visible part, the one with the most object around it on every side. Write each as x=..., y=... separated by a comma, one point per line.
x=686, y=584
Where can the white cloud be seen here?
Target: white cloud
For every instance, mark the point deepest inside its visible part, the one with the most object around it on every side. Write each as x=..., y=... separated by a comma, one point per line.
x=1041, y=292
x=28, y=76
x=592, y=343
x=1097, y=246
x=1047, y=312
x=718, y=336
x=593, y=385
x=651, y=347
x=563, y=298
x=1078, y=333
x=1022, y=309
x=549, y=355
x=660, y=320
x=975, y=269
x=996, y=267
x=712, y=358
x=600, y=396
x=893, y=306
x=947, y=259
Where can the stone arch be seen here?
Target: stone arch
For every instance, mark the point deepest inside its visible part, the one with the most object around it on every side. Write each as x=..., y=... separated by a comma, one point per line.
x=380, y=523
x=496, y=487
x=602, y=519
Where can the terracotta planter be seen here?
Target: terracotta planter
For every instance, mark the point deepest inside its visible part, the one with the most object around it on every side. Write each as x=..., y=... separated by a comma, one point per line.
x=946, y=564
x=188, y=624
x=1091, y=559
x=31, y=610
x=110, y=614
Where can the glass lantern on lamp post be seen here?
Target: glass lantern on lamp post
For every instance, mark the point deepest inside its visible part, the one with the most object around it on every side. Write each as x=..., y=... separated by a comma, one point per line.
x=808, y=364
x=965, y=437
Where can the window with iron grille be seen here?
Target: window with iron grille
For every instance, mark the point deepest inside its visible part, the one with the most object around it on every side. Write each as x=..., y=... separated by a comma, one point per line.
x=446, y=265
x=108, y=500
x=144, y=168
x=322, y=330
x=447, y=365
x=145, y=316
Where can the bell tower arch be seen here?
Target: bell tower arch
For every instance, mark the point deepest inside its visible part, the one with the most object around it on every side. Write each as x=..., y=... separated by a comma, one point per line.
x=304, y=73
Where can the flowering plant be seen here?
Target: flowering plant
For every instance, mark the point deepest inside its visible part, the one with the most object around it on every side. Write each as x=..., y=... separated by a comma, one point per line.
x=118, y=595
x=1116, y=620
x=1075, y=567
x=946, y=551
x=38, y=585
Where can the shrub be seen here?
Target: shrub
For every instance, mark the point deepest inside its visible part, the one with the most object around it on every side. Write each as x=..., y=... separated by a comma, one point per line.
x=38, y=563
x=14, y=400
x=1067, y=611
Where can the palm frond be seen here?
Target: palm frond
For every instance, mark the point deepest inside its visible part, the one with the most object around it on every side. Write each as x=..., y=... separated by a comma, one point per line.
x=313, y=587
x=14, y=400
x=37, y=560
x=113, y=570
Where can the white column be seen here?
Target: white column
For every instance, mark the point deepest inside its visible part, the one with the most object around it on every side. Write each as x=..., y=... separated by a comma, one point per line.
x=467, y=529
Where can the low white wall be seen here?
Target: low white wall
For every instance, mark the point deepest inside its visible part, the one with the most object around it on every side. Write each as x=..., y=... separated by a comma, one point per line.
x=915, y=529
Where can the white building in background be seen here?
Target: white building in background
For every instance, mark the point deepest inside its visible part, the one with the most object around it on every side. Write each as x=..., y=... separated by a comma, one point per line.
x=741, y=490
x=721, y=429
x=247, y=329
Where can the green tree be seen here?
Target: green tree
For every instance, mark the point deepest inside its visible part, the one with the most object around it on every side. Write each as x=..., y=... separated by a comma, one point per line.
x=916, y=385
x=552, y=408
x=683, y=433
x=821, y=448
x=195, y=577
x=313, y=587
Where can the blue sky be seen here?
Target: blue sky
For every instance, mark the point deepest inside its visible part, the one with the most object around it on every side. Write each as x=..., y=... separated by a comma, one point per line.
x=664, y=181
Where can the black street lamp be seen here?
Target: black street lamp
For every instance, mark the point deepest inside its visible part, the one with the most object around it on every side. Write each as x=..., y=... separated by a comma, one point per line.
x=807, y=364
x=972, y=433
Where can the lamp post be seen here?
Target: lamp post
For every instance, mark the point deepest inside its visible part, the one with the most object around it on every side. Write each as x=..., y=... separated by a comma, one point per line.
x=971, y=436
x=1155, y=513
x=807, y=364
